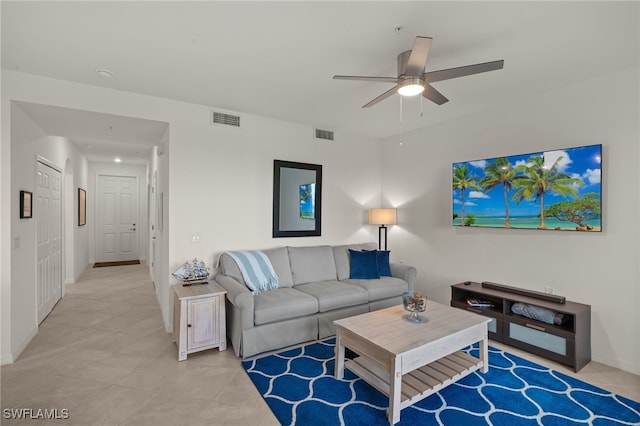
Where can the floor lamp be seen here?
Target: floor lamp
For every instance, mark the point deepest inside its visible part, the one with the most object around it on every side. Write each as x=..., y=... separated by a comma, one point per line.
x=382, y=217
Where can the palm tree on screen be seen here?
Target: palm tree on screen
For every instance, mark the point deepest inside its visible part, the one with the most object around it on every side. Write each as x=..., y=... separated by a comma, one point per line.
x=537, y=179
x=464, y=178
x=499, y=172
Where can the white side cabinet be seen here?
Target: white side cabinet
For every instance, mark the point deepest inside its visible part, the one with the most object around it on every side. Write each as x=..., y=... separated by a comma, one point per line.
x=199, y=318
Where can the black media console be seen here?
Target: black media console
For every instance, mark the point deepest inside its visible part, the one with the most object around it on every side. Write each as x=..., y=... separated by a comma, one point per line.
x=568, y=343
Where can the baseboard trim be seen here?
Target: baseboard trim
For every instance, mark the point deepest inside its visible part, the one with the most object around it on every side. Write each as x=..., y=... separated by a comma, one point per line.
x=15, y=352
x=616, y=363
x=6, y=358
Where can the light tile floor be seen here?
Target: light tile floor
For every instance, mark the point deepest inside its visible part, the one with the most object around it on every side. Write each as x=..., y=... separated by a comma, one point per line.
x=104, y=355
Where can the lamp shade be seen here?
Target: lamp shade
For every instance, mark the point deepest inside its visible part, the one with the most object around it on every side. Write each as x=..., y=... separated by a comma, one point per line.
x=382, y=217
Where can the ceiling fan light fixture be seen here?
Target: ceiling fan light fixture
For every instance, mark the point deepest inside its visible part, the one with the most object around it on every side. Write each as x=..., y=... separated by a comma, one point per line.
x=411, y=87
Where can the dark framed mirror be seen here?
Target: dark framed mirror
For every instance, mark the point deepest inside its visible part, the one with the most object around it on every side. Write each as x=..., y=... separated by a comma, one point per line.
x=297, y=199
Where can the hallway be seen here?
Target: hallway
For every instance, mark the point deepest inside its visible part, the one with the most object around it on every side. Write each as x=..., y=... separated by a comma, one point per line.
x=103, y=354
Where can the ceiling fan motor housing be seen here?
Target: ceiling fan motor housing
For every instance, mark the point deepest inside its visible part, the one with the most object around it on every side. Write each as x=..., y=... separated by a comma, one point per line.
x=403, y=59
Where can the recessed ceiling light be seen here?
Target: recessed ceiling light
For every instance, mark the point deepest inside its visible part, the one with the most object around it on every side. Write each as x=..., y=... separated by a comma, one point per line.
x=104, y=73
x=117, y=160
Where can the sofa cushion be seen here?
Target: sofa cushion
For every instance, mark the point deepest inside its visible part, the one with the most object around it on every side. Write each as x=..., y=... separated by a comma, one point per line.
x=382, y=288
x=333, y=294
x=279, y=258
x=363, y=264
x=282, y=304
x=311, y=264
x=341, y=256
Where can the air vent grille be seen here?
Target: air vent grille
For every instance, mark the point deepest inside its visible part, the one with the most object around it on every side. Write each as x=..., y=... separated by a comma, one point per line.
x=324, y=134
x=226, y=119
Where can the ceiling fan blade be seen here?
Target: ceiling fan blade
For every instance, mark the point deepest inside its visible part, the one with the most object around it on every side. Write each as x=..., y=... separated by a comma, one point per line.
x=418, y=57
x=382, y=97
x=433, y=95
x=447, y=74
x=355, y=77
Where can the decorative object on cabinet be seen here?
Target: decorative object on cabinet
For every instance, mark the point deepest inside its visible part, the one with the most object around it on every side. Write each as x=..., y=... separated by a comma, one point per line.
x=567, y=340
x=382, y=217
x=82, y=207
x=26, y=205
x=199, y=321
x=193, y=272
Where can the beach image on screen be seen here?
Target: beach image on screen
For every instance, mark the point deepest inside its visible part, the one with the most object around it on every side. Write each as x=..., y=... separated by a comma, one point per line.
x=556, y=190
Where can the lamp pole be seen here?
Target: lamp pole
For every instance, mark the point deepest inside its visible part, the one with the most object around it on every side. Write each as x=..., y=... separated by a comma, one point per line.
x=380, y=229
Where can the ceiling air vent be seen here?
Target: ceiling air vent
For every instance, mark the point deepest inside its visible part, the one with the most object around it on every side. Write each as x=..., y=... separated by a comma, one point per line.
x=226, y=119
x=324, y=134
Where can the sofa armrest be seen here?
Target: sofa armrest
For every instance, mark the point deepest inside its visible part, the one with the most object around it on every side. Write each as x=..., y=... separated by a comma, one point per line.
x=235, y=291
x=239, y=310
x=405, y=272
x=240, y=298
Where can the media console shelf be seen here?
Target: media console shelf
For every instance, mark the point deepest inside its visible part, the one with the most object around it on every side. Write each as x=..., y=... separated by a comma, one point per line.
x=568, y=343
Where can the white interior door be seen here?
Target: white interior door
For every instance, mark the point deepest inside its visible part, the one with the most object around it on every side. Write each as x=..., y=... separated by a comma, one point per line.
x=153, y=221
x=48, y=216
x=117, y=218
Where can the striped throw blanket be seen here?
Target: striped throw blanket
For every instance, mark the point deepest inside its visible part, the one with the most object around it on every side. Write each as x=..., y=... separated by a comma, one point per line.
x=256, y=270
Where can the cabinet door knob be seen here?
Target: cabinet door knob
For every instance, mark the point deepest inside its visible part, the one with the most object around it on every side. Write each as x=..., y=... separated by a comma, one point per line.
x=188, y=325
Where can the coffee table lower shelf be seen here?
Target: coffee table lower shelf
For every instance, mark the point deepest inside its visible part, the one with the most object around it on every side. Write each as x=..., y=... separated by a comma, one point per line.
x=420, y=383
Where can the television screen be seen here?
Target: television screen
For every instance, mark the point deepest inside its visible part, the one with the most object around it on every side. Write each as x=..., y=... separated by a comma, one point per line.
x=557, y=190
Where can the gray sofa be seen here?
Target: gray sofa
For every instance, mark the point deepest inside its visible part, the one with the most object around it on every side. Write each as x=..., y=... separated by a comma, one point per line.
x=314, y=290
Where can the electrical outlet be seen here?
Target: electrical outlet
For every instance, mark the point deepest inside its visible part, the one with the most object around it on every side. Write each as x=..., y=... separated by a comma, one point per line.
x=548, y=290
x=195, y=238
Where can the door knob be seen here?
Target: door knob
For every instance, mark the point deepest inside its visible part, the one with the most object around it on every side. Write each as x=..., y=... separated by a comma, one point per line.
x=132, y=229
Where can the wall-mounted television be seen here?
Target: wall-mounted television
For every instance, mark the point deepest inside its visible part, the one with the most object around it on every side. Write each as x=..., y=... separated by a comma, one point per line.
x=553, y=190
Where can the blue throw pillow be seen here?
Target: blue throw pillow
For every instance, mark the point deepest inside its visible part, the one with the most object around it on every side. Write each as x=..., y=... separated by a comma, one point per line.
x=363, y=265
x=382, y=256
x=384, y=270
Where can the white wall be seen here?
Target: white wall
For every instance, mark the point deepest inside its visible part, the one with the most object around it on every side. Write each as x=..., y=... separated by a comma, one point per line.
x=600, y=269
x=28, y=143
x=113, y=169
x=216, y=180
x=222, y=178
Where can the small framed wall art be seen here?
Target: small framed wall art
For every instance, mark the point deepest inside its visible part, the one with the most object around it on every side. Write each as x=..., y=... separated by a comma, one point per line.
x=26, y=209
x=82, y=207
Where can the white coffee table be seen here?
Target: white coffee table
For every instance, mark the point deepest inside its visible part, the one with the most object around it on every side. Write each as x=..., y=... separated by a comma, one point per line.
x=409, y=361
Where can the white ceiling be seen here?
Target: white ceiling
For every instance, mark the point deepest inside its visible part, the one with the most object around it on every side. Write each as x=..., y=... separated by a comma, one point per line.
x=100, y=137
x=277, y=59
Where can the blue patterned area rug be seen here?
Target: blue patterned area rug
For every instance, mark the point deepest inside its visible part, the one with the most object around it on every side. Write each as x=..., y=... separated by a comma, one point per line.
x=299, y=387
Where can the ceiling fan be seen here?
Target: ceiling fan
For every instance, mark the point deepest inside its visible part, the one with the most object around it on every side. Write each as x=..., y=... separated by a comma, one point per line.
x=412, y=78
